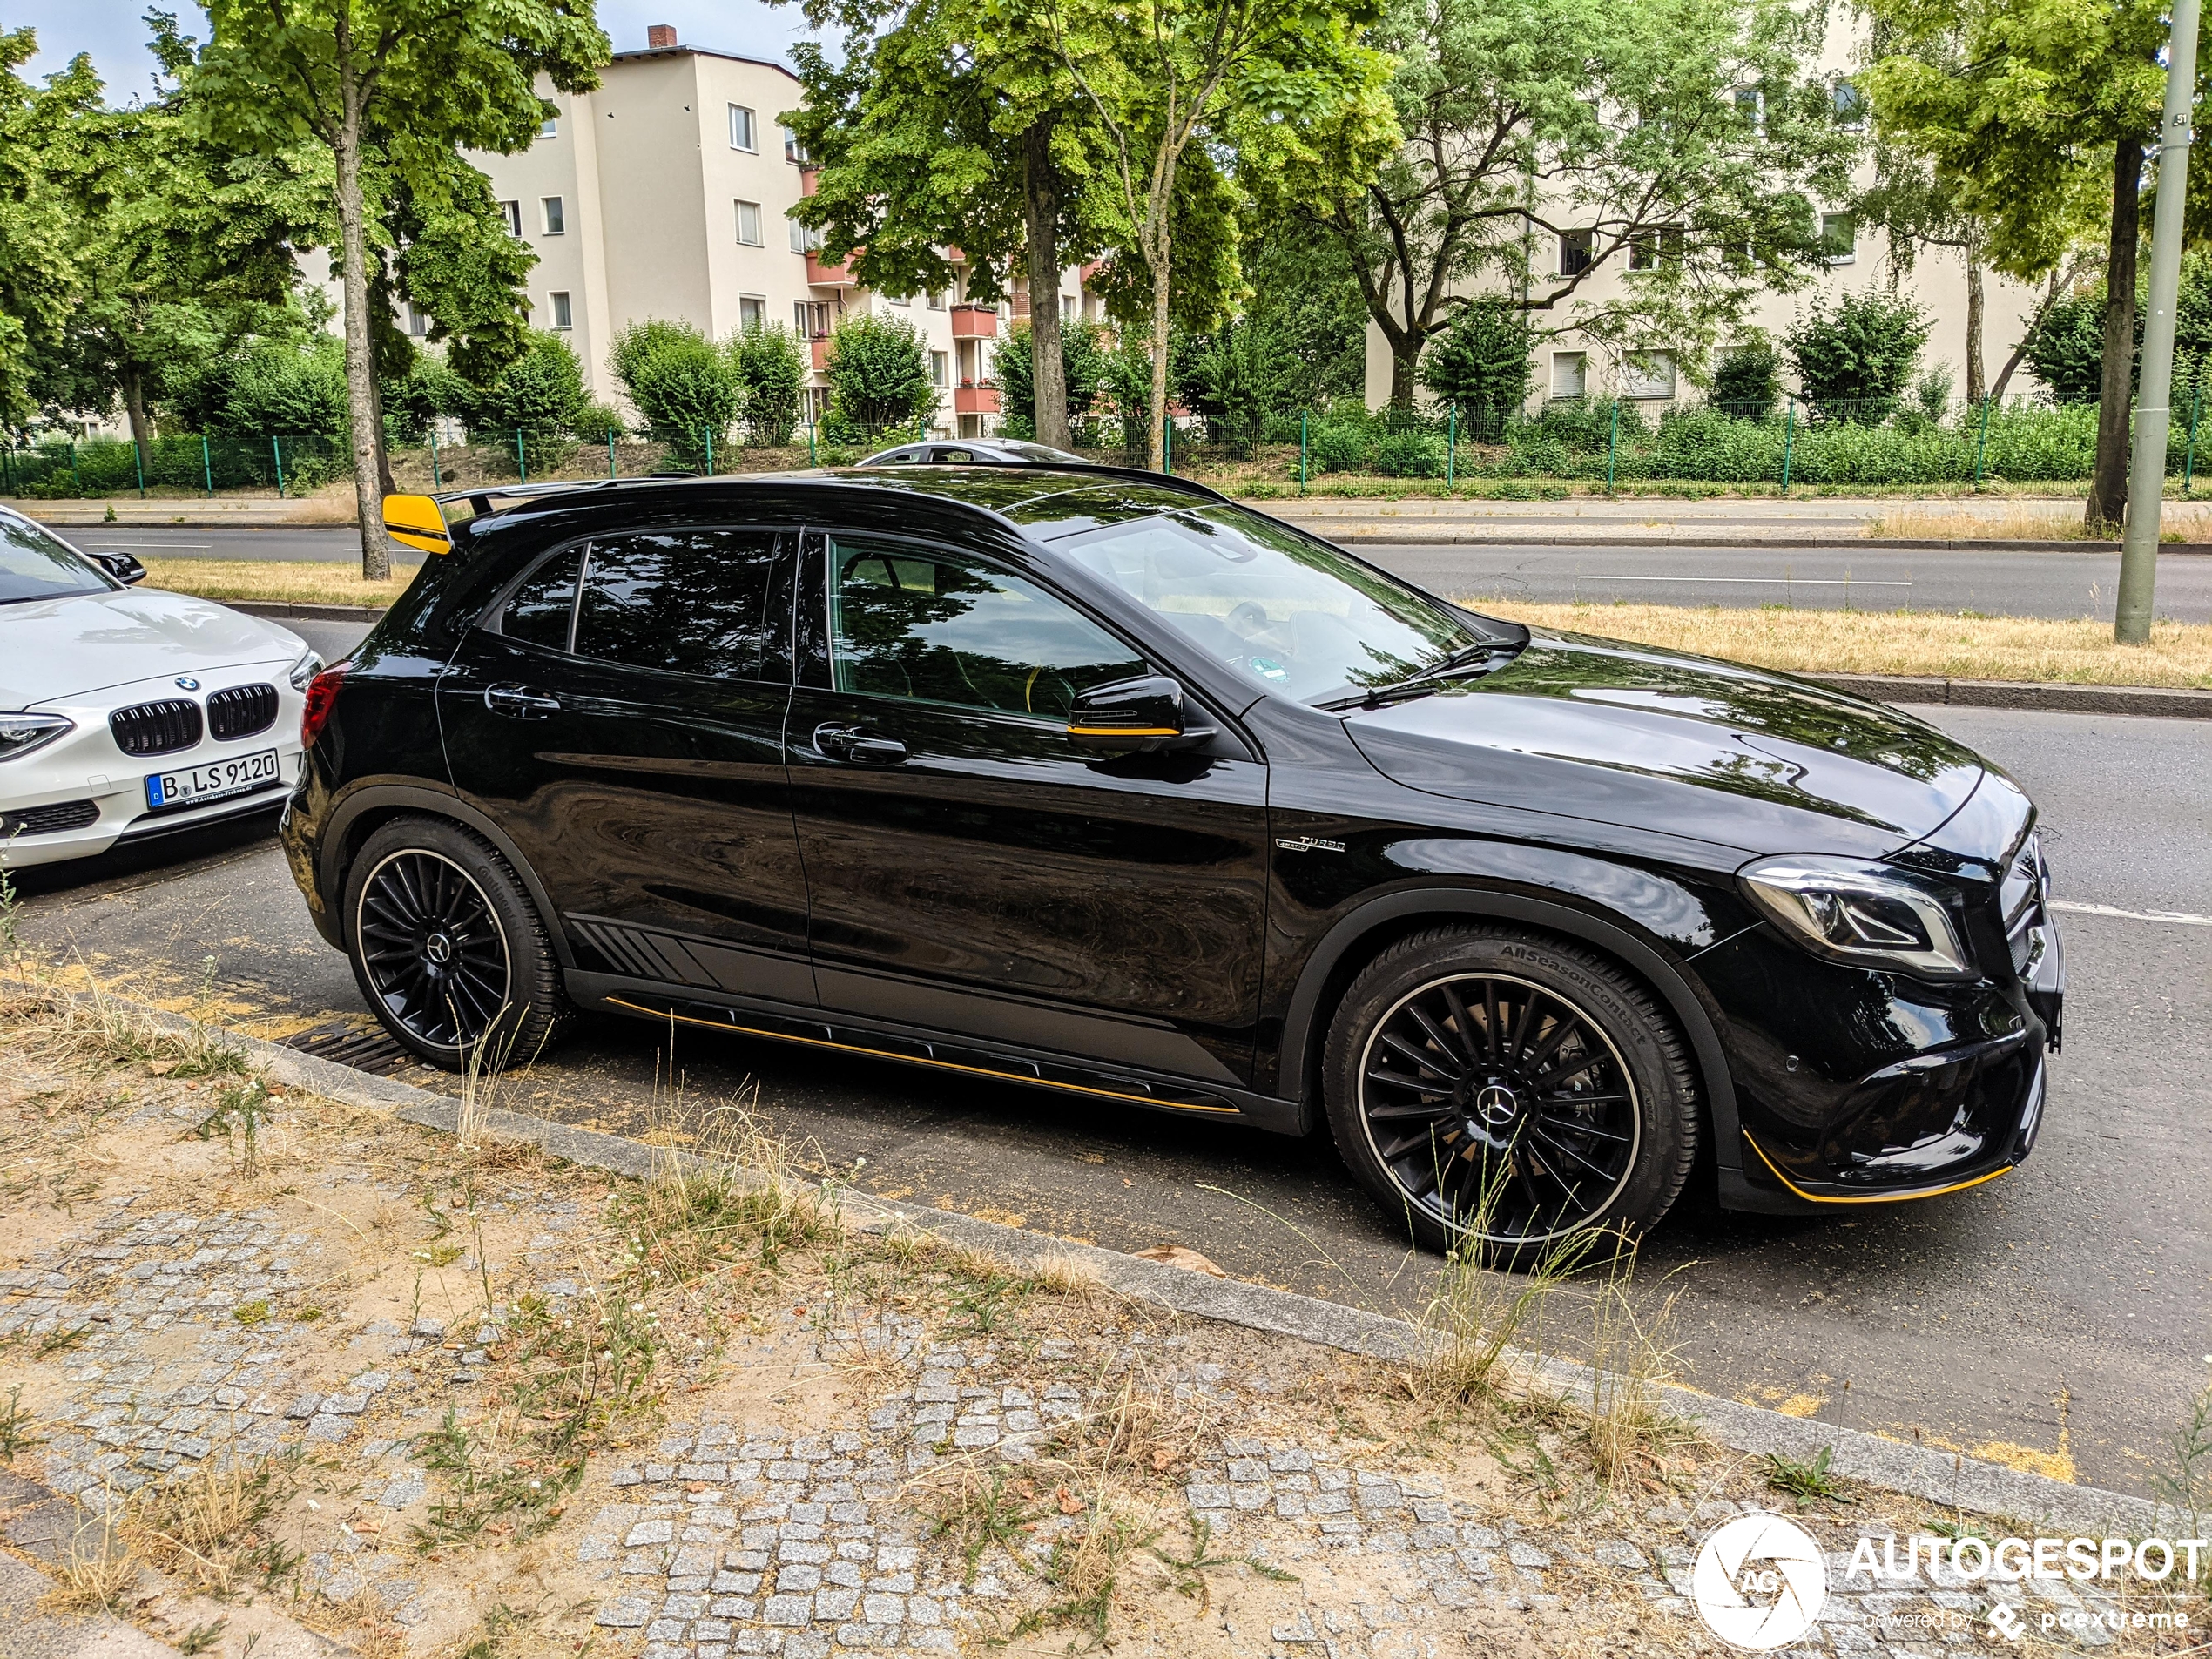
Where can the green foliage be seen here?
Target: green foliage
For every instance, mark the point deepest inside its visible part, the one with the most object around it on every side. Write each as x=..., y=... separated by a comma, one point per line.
x=42, y=272
x=683, y=387
x=2066, y=351
x=1854, y=363
x=428, y=390
x=1083, y=355
x=770, y=365
x=1304, y=291
x=878, y=369
x=1129, y=389
x=540, y=394
x=1341, y=448
x=1409, y=454
x=1482, y=365
x=279, y=387
x=1747, y=381
x=1240, y=378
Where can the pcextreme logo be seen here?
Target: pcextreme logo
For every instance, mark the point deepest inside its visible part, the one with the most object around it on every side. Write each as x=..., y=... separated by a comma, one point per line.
x=1759, y=1582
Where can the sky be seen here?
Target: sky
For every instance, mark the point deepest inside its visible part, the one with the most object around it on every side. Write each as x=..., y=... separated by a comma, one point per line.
x=115, y=33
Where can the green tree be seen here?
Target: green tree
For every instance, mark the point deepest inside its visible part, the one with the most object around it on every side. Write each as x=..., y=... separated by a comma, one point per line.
x=684, y=388
x=878, y=369
x=42, y=158
x=1482, y=365
x=1303, y=289
x=1084, y=356
x=1286, y=86
x=770, y=365
x=1550, y=140
x=1747, y=381
x=1854, y=363
x=402, y=83
x=2035, y=115
x=1242, y=376
x=540, y=394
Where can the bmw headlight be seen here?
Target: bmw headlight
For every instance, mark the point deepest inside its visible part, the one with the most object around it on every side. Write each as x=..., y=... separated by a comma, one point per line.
x=21, y=733
x=307, y=668
x=1852, y=911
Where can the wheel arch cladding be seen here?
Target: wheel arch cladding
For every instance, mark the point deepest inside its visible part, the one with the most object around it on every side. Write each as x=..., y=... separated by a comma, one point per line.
x=370, y=808
x=1359, y=938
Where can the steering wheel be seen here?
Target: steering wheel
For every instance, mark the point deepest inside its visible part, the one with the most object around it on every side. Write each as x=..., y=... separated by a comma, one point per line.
x=1248, y=619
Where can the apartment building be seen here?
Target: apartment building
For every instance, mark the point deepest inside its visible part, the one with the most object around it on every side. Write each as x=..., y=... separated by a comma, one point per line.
x=666, y=193
x=1570, y=364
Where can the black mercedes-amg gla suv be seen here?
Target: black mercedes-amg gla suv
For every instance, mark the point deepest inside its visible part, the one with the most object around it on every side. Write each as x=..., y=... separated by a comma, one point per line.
x=1098, y=782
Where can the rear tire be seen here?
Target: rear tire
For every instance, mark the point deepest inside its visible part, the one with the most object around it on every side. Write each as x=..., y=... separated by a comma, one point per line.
x=448, y=950
x=1508, y=1090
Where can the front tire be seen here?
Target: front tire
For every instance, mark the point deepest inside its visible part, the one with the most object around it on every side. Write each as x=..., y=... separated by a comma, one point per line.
x=447, y=947
x=1508, y=1090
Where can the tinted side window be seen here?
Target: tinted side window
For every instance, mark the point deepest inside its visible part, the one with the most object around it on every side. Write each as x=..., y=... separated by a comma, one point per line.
x=939, y=628
x=686, y=602
x=537, y=613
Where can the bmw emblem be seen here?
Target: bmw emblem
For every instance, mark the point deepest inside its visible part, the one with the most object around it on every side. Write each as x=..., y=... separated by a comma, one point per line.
x=185, y=682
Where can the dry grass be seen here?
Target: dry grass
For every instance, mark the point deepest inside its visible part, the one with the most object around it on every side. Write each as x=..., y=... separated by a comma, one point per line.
x=275, y=581
x=1893, y=642
x=2026, y=521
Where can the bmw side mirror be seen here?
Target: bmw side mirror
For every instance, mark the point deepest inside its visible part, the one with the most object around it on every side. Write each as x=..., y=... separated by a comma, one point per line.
x=121, y=566
x=1131, y=717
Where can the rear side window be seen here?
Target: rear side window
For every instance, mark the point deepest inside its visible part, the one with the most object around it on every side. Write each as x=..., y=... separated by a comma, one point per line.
x=537, y=613
x=682, y=601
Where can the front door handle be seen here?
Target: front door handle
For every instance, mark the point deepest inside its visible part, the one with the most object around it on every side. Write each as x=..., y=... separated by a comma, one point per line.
x=520, y=702
x=853, y=742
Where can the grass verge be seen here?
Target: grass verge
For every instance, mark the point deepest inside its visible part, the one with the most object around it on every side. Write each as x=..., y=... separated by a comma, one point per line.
x=1939, y=645
x=275, y=581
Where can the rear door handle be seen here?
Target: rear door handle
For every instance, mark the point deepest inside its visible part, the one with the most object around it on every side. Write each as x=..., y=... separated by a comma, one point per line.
x=854, y=744
x=520, y=702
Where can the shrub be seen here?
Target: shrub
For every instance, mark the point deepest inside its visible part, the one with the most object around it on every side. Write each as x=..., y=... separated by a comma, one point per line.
x=679, y=382
x=770, y=365
x=412, y=400
x=1747, y=381
x=2066, y=352
x=1482, y=365
x=540, y=394
x=1341, y=448
x=879, y=376
x=594, y=421
x=281, y=389
x=1241, y=374
x=1129, y=389
x=1409, y=454
x=1083, y=358
x=1852, y=364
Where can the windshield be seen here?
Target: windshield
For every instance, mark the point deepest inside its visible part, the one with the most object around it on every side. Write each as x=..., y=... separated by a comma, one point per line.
x=33, y=566
x=1301, y=617
x=1042, y=452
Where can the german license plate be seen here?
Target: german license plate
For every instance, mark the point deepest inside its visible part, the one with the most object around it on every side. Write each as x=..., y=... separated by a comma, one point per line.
x=193, y=784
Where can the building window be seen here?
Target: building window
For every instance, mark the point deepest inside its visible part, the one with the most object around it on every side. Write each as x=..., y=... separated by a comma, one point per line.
x=937, y=301
x=549, y=127
x=512, y=213
x=741, y=128
x=794, y=151
x=555, y=222
x=1750, y=104
x=937, y=368
x=1570, y=373
x=1839, y=238
x=804, y=241
x=417, y=324
x=1573, y=253
x=563, y=317
x=749, y=224
x=752, y=312
x=1648, y=374
x=897, y=300
x=1851, y=105
x=1662, y=244
x=811, y=317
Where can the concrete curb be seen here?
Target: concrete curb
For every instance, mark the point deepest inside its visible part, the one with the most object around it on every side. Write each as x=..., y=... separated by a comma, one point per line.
x=1919, y=1471
x=370, y=614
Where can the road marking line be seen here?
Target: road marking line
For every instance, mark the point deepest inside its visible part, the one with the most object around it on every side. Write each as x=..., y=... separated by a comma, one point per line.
x=2078, y=908
x=155, y=546
x=1783, y=581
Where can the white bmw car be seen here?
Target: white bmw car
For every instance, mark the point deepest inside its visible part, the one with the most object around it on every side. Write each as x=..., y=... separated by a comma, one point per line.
x=126, y=714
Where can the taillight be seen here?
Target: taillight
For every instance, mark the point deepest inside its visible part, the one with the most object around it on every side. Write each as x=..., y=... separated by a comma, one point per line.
x=322, y=697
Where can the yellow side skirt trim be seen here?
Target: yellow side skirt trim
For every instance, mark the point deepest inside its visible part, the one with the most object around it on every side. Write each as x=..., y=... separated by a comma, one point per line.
x=1872, y=1197
x=921, y=1060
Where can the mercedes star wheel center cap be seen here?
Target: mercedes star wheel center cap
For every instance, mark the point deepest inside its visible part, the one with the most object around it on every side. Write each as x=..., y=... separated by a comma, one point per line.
x=438, y=949
x=1496, y=1106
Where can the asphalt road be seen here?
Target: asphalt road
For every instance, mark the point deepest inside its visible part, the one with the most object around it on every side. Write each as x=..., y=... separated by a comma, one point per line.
x=2058, y=1318
x=2025, y=584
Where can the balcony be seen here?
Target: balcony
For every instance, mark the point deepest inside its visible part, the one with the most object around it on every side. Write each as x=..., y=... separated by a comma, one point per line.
x=975, y=400
x=820, y=275
x=975, y=322
x=818, y=349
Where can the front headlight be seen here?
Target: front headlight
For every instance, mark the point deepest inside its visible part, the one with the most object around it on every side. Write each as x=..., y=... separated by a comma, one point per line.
x=21, y=733
x=307, y=668
x=1852, y=911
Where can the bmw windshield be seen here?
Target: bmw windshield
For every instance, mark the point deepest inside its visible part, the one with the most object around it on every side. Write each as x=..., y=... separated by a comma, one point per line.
x=33, y=566
x=1302, y=618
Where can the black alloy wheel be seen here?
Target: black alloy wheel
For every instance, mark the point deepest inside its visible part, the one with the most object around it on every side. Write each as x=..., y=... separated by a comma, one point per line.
x=1510, y=1091
x=447, y=947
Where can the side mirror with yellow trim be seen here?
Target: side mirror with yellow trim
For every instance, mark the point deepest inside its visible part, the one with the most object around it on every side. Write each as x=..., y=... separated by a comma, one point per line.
x=417, y=522
x=1128, y=716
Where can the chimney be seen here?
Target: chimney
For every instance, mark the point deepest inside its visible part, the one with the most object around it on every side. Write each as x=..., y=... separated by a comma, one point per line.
x=659, y=37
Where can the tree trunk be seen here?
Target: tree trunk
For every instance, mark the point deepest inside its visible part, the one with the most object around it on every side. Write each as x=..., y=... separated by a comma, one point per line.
x=1405, y=365
x=361, y=368
x=384, y=483
x=1975, y=385
x=1040, y=207
x=1159, y=401
x=2108, y=484
x=134, y=399
x=2019, y=352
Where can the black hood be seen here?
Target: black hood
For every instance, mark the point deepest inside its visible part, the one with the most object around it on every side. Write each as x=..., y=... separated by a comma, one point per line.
x=1627, y=734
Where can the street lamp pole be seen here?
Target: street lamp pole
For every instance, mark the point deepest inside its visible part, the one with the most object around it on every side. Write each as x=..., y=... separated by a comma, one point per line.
x=2153, y=411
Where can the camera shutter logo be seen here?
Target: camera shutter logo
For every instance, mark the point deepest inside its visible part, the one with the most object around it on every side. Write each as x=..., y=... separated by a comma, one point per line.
x=1759, y=1582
